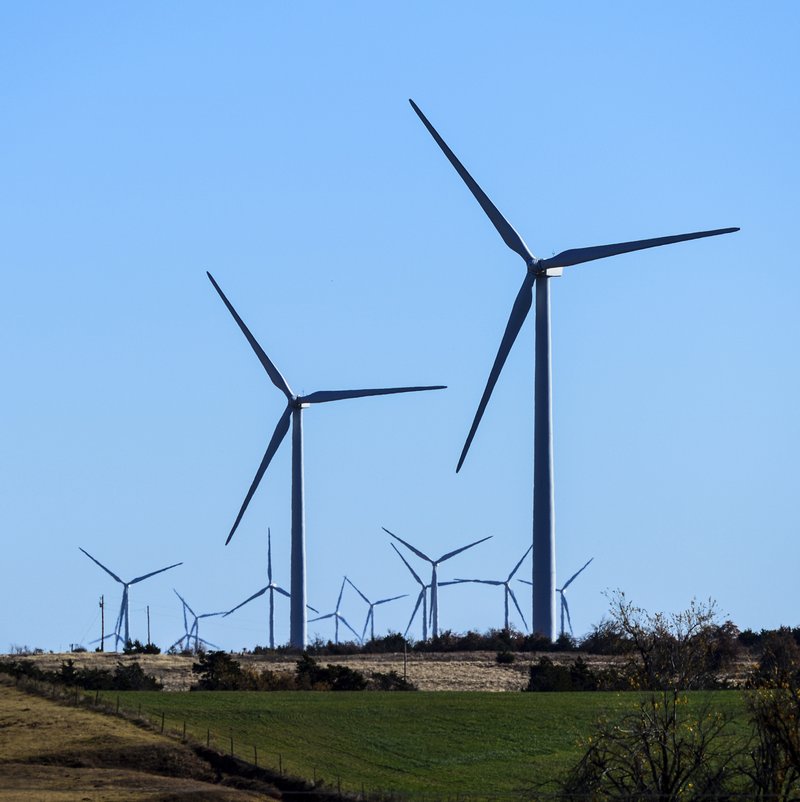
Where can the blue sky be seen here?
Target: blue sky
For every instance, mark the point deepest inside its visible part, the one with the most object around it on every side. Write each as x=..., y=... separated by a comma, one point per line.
x=274, y=146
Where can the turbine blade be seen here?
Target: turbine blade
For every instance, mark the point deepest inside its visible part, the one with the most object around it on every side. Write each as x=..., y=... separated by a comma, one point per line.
x=504, y=228
x=522, y=559
x=289, y=595
x=209, y=615
x=358, y=591
x=519, y=609
x=269, y=555
x=107, y=570
x=274, y=444
x=341, y=591
x=313, y=609
x=416, y=607
x=526, y=581
x=393, y=598
x=408, y=545
x=577, y=256
x=184, y=602
x=246, y=601
x=575, y=575
x=153, y=573
x=322, y=617
x=519, y=312
x=479, y=581
x=566, y=610
x=463, y=548
x=413, y=572
x=272, y=371
x=322, y=396
x=344, y=621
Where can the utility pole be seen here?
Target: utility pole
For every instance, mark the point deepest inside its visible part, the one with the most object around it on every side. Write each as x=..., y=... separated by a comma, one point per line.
x=148, y=625
x=102, y=623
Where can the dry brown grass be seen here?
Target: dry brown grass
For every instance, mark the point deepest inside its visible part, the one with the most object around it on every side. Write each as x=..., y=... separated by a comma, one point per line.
x=50, y=751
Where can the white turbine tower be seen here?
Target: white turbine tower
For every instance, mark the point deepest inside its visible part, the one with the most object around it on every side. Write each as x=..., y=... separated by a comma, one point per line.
x=123, y=618
x=295, y=404
x=507, y=592
x=369, y=621
x=435, y=574
x=538, y=272
x=337, y=616
x=273, y=588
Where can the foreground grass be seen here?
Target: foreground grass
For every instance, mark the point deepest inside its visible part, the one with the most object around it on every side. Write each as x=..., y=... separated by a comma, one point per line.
x=408, y=743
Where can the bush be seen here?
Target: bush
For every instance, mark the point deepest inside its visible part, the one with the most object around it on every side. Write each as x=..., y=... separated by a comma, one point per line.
x=505, y=657
x=218, y=671
x=137, y=647
x=390, y=681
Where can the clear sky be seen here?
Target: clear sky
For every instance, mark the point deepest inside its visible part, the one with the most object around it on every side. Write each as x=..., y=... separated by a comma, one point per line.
x=273, y=145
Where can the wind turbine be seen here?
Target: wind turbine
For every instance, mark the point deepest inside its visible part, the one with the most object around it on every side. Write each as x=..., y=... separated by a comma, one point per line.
x=507, y=592
x=538, y=272
x=562, y=591
x=370, y=619
x=272, y=587
x=124, y=615
x=295, y=404
x=421, y=599
x=337, y=616
x=434, y=575
x=193, y=632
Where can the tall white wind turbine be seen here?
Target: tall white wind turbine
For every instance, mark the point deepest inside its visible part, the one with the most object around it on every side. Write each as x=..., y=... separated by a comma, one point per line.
x=123, y=618
x=506, y=585
x=337, y=616
x=295, y=404
x=434, y=574
x=369, y=621
x=538, y=272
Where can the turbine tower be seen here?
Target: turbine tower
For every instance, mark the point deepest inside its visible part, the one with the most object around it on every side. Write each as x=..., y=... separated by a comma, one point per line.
x=369, y=621
x=507, y=592
x=538, y=272
x=295, y=404
x=123, y=618
x=337, y=616
x=272, y=587
x=434, y=575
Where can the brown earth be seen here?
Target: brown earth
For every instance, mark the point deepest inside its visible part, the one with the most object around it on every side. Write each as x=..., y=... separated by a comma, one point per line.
x=449, y=671
x=52, y=752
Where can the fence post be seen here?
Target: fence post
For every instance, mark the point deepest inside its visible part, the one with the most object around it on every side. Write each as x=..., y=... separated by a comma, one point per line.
x=162, y=721
x=96, y=697
x=140, y=708
x=184, y=729
x=255, y=755
x=231, y=743
x=280, y=764
x=117, y=705
x=339, y=786
x=208, y=737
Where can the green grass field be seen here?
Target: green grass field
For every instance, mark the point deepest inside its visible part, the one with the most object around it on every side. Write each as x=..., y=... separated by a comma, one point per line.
x=408, y=743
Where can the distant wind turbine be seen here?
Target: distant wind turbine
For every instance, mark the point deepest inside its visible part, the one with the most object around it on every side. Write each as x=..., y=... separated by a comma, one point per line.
x=369, y=621
x=422, y=599
x=123, y=618
x=562, y=591
x=295, y=404
x=434, y=573
x=337, y=616
x=507, y=592
x=538, y=272
x=273, y=588
x=193, y=631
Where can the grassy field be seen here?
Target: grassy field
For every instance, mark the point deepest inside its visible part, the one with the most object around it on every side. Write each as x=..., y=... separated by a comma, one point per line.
x=410, y=743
